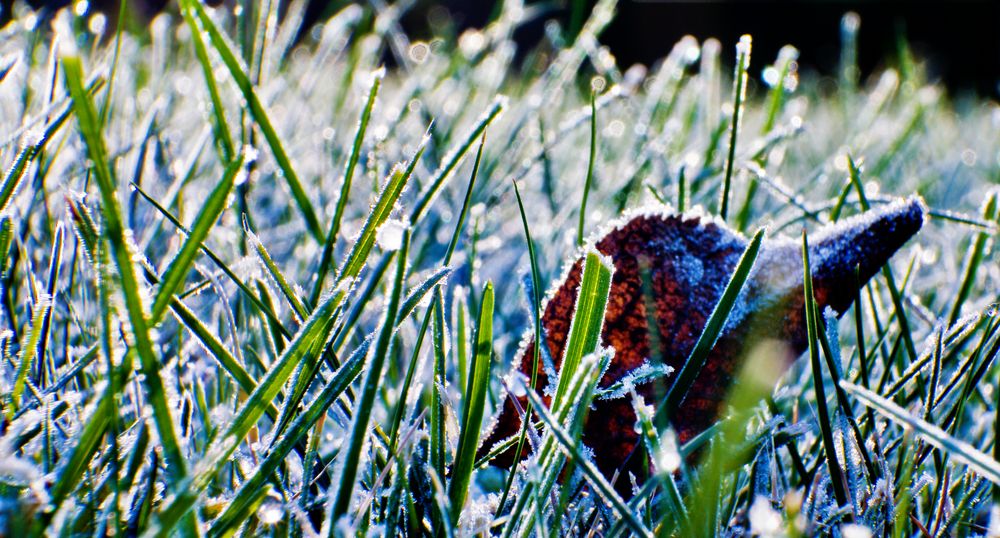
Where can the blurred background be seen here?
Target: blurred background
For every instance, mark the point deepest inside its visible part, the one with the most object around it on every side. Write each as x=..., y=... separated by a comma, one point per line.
x=959, y=40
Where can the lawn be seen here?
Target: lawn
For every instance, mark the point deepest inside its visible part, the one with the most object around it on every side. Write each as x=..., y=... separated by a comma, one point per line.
x=265, y=282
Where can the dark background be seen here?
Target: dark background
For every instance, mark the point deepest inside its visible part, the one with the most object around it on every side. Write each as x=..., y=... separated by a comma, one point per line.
x=959, y=40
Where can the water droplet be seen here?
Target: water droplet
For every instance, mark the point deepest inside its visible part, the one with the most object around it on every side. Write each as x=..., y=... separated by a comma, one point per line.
x=419, y=52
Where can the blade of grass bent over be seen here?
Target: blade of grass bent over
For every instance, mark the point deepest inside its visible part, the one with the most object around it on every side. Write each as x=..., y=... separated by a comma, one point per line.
x=977, y=460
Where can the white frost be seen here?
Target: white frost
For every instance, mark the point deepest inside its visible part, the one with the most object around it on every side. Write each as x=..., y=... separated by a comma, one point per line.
x=390, y=235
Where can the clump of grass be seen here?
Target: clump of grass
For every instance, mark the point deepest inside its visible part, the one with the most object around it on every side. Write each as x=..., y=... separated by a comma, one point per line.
x=209, y=230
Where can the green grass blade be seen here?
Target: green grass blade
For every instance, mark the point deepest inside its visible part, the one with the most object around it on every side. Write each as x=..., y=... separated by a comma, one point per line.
x=260, y=116
x=588, y=320
x=358, y=256
x=590, y=168
x=739, y=97
x=826, y=428
x=897, y=300
x=90, y=129
x=437, y=426
x=223, y=138
x=345, y=187
x=713, y=328
x=474, y=400
x=85, y=447
x=977, y=460
x=351, y=455
x=275, y=273
x=29, y=351
x=594, y=476
x=175, y=274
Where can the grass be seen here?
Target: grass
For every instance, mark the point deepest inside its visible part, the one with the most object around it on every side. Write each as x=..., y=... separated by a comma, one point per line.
x=221, y=250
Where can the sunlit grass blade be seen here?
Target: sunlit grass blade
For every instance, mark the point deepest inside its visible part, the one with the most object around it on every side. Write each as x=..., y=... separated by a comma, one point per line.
x=473, y=401
x=287, y=290
x=588, y=319
x=977, y=460
x=594, y=476
x=590, y=168
x=90, y=129
x=739, y=96
x=582, y=348
x=350, y=456
x=713, y=328
x=260, y=116
x=175, y=274
x=358, y=256
x=345, y=188
x=826, y=428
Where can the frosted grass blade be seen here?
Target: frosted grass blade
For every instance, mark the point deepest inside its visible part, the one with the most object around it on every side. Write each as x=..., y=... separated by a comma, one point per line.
x=89, y=128
x=977, y=460
x=260, y=116
x=350, y=456
x=345, y=187
x=473, y=401
x=175, y=274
